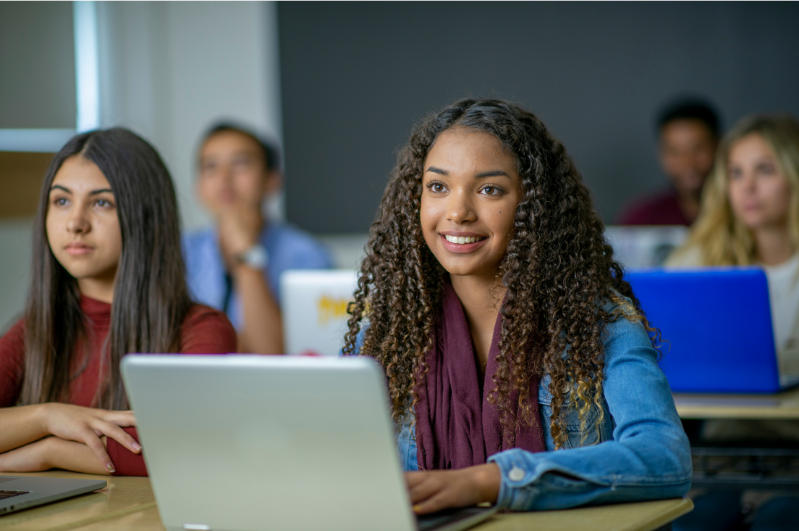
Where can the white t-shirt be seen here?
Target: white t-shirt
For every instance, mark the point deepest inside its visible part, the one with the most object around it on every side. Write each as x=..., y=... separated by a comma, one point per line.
x=783, y=292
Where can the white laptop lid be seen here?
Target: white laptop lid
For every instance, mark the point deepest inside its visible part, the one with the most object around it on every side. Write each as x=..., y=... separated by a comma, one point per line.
x=644, y=246
x=314, y=308
x=268, y=442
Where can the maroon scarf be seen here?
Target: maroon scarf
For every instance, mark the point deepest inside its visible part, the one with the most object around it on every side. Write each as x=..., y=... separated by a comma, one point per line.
x=456, y=427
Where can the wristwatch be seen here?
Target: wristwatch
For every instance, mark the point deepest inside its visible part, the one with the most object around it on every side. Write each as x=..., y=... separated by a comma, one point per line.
x=255, y=257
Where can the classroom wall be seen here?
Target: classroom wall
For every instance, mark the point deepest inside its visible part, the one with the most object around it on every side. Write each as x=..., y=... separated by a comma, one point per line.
x=168, y=70
x=15, y=241
x=357, y=76
x=37, y=65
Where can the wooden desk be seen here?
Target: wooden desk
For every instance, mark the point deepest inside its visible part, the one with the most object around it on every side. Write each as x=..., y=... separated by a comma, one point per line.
x=710, y=406
x=128, y=504
x=641, y=516
x=742, y=464
x=125, y=499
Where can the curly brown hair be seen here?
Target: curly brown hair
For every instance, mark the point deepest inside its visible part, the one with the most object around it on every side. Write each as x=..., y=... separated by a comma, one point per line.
x=558, y=270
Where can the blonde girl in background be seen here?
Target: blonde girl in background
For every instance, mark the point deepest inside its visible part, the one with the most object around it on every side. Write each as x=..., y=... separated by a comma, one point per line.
x=750, y=217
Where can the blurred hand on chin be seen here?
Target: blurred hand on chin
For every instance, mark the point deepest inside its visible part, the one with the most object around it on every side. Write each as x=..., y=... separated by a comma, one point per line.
x=239, y=227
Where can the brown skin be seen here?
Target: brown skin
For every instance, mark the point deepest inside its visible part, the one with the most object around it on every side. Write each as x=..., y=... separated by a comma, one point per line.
x=471, y=187
x=687, y=150
x=84, y=236
x=232, y=185
x=436, y=490
x=760, y=197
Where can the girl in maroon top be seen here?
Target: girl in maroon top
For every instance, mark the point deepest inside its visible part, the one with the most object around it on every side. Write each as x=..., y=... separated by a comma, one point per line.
x=107, y=279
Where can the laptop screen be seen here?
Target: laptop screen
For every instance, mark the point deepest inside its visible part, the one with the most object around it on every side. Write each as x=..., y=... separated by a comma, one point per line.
x=315, y=306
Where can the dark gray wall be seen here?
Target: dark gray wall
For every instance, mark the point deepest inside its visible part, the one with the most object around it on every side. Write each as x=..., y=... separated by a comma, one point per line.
x=357, y=76
x=37, y=65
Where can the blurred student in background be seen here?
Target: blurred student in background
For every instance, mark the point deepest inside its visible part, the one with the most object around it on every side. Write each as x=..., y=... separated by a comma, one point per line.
x=236, y=265
x=750, y=216
x=107, y=279
x=688, y=132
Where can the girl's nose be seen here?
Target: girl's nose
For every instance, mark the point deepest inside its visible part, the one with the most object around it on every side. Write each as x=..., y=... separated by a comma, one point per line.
x=750, y=183
x=460, y=209
x=78, y=222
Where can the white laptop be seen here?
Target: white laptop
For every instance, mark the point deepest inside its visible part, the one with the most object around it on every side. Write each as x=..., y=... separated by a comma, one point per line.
x=314, y=308
x=273, y=442
x=638, y=247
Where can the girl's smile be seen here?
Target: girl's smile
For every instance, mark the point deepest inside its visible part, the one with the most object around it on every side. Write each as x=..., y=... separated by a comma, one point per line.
x=462, y=242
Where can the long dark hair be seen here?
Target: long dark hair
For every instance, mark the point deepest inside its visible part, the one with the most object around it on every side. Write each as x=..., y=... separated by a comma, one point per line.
x=558, y=270
x=151, y=298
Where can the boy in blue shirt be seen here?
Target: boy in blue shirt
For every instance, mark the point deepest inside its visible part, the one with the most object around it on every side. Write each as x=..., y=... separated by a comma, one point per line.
x=236, y=265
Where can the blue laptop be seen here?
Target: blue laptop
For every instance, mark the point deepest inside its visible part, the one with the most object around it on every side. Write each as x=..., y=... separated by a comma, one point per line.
x=717, y=324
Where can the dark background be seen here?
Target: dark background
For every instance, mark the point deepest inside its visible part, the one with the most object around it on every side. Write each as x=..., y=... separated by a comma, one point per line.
x=357, y=76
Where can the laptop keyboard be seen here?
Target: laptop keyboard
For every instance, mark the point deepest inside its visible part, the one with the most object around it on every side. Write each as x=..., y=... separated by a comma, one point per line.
x=11, y=493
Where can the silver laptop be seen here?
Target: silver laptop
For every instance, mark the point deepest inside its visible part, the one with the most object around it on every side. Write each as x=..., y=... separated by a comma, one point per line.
x=19, y=492
x=273, y=442
x=639, y=247
x=314, y=309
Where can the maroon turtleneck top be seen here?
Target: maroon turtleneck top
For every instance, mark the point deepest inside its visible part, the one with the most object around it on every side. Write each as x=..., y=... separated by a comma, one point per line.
x=204, y=331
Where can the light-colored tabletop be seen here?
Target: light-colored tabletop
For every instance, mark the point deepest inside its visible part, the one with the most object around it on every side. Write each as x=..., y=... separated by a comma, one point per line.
x=784, y=405
x=128, y=504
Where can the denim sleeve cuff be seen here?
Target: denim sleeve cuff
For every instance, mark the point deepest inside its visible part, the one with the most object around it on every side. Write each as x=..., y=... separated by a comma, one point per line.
x=525, y=484
x=514, y=473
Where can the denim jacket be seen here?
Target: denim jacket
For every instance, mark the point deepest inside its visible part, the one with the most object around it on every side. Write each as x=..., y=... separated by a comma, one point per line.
x=638, y=452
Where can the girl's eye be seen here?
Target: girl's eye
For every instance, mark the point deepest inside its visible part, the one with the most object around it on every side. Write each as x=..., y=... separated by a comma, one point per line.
x=60, y=201
x=490, y=189
x=436, y=187
x=103, y=203
x=766, y=169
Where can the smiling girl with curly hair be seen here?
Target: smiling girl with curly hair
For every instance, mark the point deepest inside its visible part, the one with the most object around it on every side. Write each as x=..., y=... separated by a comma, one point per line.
x=505, y=327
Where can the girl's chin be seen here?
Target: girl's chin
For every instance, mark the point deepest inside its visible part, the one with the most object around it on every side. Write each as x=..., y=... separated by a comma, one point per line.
x=91, y=274
x=758, y=223
x=481, y=262
x=461, y=268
